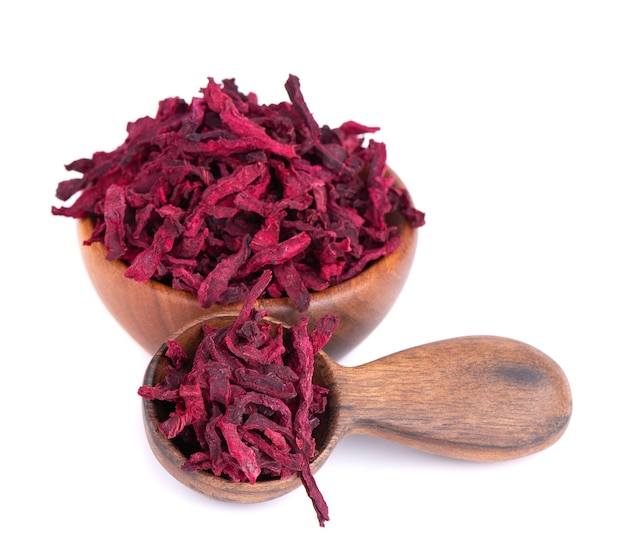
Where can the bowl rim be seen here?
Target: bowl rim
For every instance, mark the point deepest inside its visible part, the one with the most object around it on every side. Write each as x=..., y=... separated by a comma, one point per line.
x=359, y=300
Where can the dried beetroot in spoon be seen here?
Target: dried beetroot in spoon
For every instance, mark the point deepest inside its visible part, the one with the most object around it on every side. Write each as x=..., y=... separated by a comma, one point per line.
x=245, y=404
x=476, y=398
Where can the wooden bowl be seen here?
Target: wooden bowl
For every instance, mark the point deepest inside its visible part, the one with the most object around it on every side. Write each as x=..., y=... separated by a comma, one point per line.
x=152, y=312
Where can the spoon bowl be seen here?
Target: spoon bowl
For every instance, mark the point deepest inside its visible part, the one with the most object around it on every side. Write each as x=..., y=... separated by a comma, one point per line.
x=152, y=311
x=475, y=398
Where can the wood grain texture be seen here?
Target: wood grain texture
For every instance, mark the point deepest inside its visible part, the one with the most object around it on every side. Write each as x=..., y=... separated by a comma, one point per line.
x=478, y=398
x=151, y=312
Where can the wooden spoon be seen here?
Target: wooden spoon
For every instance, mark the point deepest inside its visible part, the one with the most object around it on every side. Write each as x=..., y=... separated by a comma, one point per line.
x=477, y=398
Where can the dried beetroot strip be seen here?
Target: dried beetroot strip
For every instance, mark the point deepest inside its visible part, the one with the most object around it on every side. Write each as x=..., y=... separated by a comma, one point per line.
x=207, y=195
x=246, y=400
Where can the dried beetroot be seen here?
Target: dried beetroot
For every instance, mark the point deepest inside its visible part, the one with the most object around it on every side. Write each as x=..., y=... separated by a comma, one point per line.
x=208, y=194
x=246, y=401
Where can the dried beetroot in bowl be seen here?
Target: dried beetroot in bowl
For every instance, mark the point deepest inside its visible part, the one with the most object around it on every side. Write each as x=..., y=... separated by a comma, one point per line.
x=245, y=404
x=208, y=194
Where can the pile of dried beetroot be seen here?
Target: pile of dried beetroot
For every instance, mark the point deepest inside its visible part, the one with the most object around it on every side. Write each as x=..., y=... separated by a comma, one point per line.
x=208, y=194
x=246, y=401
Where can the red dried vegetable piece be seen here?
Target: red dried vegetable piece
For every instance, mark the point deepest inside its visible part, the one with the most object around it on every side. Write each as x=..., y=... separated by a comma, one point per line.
x=207, y=195
x=215, y=284
x=246, y=400
x=218, y=101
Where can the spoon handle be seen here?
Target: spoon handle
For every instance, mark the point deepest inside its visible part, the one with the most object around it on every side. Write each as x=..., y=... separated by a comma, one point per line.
x=477, y=398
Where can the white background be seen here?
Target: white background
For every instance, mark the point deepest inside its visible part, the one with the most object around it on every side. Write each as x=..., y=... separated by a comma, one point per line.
x=507, y=121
